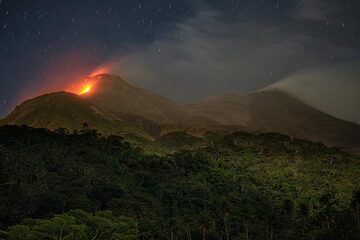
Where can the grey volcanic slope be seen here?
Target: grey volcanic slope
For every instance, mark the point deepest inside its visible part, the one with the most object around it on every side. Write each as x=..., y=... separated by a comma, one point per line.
x=277, y=111
x=114, y=106
x=67, y=110
x=146, y=110
x=120, y=97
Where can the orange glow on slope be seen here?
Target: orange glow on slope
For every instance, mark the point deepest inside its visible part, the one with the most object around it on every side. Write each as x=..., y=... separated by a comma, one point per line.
x=81, y=88
x=85, y=89
x=88, y=84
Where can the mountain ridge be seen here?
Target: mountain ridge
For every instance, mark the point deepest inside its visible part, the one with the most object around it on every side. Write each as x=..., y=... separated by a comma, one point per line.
x=70, y=111
x=115, y=107
x=120, y=97
x=277, y=111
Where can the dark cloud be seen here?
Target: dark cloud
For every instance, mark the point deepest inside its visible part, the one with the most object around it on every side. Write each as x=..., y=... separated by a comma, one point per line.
x=35, y=36
x=209, y=55
x=185, y=50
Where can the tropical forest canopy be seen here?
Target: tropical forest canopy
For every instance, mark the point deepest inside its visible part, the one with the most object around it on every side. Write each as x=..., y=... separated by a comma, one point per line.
x=73, y=186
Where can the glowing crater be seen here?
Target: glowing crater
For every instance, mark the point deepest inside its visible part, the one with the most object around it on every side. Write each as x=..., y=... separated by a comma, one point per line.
x=85, y=89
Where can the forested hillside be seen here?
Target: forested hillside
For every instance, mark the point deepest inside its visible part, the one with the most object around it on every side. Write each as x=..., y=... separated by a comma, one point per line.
x=61, y=185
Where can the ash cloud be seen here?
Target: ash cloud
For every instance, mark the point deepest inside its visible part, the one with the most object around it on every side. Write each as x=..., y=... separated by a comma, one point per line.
x=209, y=55
x=334, y=90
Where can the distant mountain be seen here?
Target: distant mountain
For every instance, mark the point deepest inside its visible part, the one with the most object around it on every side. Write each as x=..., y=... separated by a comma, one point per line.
x=70, y=111
x=115, y=106
x=277, y=111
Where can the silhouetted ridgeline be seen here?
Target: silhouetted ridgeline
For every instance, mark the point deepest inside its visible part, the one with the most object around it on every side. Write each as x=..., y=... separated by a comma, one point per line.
x=239, y=186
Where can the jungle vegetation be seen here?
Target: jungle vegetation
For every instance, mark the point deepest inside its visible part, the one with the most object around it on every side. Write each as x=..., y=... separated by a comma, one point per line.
x=74, y=186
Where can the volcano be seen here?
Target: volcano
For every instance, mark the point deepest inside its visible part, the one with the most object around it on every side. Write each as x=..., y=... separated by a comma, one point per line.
x=69, y=111
x=114, y=106
x=124, y=99
x=278, y=111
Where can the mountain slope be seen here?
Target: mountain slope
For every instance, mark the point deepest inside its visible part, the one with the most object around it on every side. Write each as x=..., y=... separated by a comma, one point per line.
x=67, y=110
x=110, y=105
x=276, y=111
x=137, y=104
x=114, y=106
x=231, y=110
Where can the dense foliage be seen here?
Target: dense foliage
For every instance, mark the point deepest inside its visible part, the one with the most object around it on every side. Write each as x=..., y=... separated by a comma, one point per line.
x=240, y=186
x=74, y=225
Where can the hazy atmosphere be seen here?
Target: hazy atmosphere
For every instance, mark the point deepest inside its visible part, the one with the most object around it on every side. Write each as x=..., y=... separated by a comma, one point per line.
x=184, y=50
x=179, y=119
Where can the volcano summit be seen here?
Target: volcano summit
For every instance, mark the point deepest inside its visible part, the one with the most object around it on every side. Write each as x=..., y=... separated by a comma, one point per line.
x=114, y=106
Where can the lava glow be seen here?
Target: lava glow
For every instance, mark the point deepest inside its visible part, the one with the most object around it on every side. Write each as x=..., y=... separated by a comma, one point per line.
x=81, y=88
x=87, y=85
x=85, y=89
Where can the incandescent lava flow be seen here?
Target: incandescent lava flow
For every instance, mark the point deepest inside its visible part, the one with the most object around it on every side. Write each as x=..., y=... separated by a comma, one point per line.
x=83, y=87
x=87, y=85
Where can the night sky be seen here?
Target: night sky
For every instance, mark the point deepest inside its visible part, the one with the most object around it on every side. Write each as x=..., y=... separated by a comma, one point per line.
x=185, y=50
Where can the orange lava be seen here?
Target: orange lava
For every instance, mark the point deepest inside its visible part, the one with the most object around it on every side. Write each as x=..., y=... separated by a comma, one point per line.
x=87, y=85
x=81, y=88
x=85, y=89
